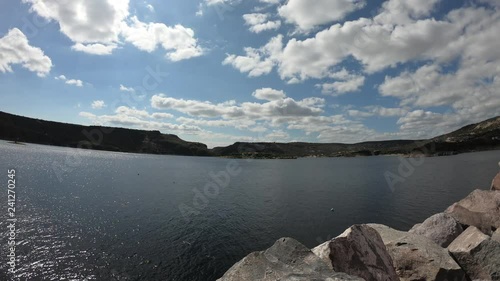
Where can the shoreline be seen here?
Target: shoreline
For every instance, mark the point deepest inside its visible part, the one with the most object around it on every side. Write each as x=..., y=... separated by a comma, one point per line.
x=276, y=157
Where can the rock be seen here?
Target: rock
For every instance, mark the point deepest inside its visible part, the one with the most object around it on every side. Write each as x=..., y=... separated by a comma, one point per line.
x=440, y=228
x=359, y=251
x=416, y=257
x=287, y=259
x=481, y=209
x=478, y=255
x=415, y=227
x=495, y=185
x=496, y=235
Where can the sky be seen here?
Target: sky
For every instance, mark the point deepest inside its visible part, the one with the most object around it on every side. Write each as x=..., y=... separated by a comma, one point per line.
x=222, y=71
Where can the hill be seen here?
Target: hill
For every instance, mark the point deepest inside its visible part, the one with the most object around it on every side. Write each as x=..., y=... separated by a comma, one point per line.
x=475, y=137
x=24, y=129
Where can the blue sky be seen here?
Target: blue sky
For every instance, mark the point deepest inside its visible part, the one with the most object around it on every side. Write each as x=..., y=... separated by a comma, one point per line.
x=221, y=71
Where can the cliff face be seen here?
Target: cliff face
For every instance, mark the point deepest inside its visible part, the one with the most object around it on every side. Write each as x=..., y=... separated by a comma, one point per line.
x=462, y=243
x=23, y=129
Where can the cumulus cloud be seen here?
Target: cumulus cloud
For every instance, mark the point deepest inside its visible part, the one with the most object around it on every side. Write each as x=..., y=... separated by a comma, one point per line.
x=307, y=14
x=260, y=22
x=178, y=41
x=98, y=104
x=379, y=43
x=347, y=83
x=269, y=94
x=98, y=27
x=15, y=49
x=456, y=59
x=282, y=107
x=471, y=91
x=257, y=62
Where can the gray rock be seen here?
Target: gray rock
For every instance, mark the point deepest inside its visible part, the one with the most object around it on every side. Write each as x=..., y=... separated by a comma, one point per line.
x=359, y=251
x=478, y=255
x=495, y=184
x=416, y=257
x=440, y=228
x=287, y=259
x=415, y=227
x=481, y=209
x=496, y=235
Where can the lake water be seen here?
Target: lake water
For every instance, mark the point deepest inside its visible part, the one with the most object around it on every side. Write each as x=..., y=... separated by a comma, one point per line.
x=115, y=216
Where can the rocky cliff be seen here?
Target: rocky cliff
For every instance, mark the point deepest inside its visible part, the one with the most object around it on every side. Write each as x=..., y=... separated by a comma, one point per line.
x=460, y=244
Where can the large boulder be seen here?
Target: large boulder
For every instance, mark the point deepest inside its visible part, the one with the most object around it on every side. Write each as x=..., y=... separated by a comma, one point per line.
x=287, y=259
x=440, y=228
x=478, y=255
x=495, y=185
x=481, y=209
x=416, y=257
x=359, y=251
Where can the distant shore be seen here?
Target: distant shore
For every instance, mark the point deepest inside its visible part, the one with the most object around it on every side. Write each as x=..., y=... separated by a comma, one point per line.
x=482, y=136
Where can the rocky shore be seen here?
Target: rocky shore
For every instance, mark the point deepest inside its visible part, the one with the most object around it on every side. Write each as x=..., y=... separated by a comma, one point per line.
x=461, y=243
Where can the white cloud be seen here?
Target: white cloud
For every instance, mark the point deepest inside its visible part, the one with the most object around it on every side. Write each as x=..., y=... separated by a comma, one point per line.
x=150, y=8
x=126, y=89
x=95, y=49
x=404, y=11
x=257, y=62
x=386, y=41
x=85, y=21
x=98, y=26
x=348, y=83
x=124, y=110
x=15, y=49
x=199, y=12
x=269, y=94
x=380, y=111
x=178, y=41
x=75, y=82
x=162, y=115
x=98, y=104
x=307, y=14
x=472, y=90
x=136, y=122
x=278, y=107
x=260, y=22
x=221, y=2
x=270, y=1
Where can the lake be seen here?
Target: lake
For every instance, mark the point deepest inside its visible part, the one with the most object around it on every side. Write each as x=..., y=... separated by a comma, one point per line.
x=115, y=216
